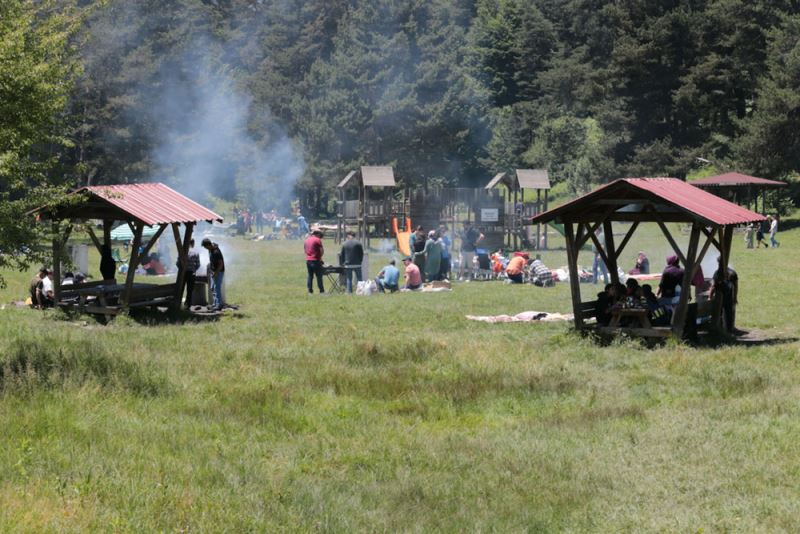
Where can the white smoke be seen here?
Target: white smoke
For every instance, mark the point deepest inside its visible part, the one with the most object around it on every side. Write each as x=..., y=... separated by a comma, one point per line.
x=206, y=143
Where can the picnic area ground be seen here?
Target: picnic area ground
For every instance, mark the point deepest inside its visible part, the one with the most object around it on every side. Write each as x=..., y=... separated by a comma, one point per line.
x=395, y=413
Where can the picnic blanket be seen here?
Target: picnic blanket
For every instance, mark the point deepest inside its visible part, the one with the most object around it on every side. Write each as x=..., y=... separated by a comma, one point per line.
x=523, y=317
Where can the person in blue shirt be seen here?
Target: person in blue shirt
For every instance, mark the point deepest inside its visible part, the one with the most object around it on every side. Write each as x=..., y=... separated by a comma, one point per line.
x=388, y=278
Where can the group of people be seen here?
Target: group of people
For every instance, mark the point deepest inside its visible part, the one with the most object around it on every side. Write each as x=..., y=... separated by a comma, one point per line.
x=430, y=261
x=661, y=304
x=277, y=226
x=216, y=272
x=351, y=258
x=768, y=226
x=431, y=255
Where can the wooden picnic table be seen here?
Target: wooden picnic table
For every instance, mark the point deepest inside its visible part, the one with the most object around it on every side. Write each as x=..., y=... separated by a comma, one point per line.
x=641, y=315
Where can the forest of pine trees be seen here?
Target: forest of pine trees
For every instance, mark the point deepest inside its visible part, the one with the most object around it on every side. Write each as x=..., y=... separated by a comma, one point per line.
x=251, y=97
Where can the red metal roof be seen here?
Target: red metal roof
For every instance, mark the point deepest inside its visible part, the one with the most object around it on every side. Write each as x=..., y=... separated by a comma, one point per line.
x=153, y=203
x=691, y=200
x=734, y=179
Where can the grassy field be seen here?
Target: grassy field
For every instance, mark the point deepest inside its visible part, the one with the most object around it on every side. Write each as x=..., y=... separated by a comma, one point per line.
x=394, y=413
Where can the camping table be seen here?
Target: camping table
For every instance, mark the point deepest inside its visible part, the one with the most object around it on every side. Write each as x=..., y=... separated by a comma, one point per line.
x=335, y=276
x=640, y=314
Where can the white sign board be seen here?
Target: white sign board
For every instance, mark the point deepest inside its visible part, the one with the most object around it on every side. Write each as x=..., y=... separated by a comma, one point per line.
x=490, y=215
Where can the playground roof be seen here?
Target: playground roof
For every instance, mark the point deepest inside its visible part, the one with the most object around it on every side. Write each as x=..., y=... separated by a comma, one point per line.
x=525, y=179
x=533, y=179
x=378, y=176
x=653, y=200
x=153, y=203
x=371, y=176
x=735, y=179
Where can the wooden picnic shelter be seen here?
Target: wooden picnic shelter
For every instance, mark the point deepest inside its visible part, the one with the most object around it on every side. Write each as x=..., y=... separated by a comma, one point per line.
x=740, y=188
x=633, y=201
x=138, y=206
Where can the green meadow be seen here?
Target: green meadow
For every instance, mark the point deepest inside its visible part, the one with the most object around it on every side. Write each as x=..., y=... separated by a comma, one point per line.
x=393, y=413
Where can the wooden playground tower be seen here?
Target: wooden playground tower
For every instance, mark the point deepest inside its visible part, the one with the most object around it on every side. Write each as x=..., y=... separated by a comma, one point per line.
x=366, y=204
x=518, y=213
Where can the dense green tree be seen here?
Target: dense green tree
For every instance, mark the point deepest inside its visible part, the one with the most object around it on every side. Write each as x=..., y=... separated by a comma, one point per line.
x=36, y=73
x=252, y=94
x=770, y=144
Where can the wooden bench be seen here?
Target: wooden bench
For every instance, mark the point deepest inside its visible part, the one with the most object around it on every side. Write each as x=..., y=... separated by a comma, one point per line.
x=69, y=294
x=588, y=310
x=152, y=296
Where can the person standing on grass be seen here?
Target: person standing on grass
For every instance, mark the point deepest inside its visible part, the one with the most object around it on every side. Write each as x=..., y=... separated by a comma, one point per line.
x=416, y=243
x=598, y=265
x=352, y=256
x=189, y=277
x=773, y=230
x=216, y=272
x=727, y=284
x=748, y=235
x=433, y=256
x=314, y=251
x=444, y=270
x=470, y=238
x=763, y=227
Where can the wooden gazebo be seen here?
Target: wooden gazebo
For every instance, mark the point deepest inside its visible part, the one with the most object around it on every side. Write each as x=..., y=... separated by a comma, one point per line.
x=517, y=219
x=657, y=200
x=740, y=188
x=138, y=206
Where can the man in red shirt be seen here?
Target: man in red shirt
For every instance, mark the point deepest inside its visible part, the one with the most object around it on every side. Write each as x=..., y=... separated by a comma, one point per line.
x=314, y=252
x=413, y=275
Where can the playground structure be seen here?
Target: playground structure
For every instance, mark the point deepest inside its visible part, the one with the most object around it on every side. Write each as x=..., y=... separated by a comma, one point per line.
x=370, y=204
x=518, y=213
x=370, y=211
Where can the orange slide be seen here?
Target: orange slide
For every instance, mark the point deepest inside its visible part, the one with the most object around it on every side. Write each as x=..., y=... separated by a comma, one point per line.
x=402, y=237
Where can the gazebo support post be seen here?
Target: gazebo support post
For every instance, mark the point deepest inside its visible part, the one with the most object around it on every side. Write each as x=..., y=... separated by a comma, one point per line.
x=679, y=318
x=58, y=250
x=611, y=255
x=545, y=224
x=574, y=281
x=625, y=240
x=668, y=235
x=183, y=260
x=133, y=262
x=93, y=237
x=538, y=225
x=107, y=232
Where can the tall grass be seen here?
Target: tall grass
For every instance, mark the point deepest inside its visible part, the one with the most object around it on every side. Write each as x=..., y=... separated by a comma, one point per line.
x=395, y=413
